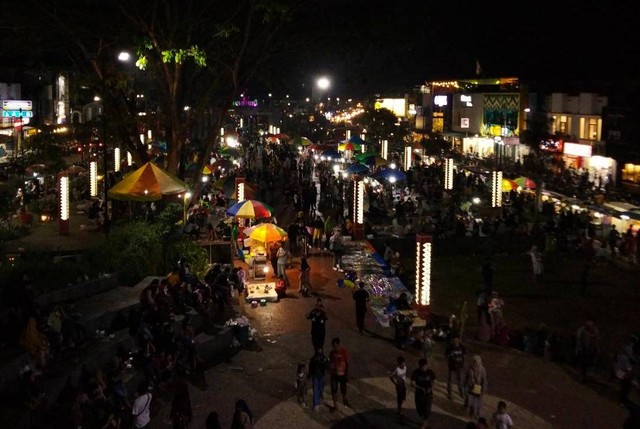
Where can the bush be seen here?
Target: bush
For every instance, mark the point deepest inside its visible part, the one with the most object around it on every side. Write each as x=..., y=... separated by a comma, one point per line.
x=134, y=250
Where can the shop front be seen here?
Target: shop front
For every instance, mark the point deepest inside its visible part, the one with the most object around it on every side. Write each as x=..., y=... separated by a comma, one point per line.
x=599, y=168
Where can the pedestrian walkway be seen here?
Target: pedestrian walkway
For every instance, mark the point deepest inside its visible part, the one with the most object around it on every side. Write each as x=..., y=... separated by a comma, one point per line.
x=376, y=402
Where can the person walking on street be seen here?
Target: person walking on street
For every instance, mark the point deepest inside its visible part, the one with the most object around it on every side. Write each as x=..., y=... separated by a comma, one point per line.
x=361, y=297
x=501, y=419
x=305, y=273
x=476, y=384
x=422, y=380
x=455, y=353
x=301, y=384
x=339, y=366
x=141, y=407
x=283, y=257
x=335, y=245
x=242, y=416
x=399, y=379
x=318, y=318
x=587, y=347
x=614, y=235
x=318, y=365
x=624, y=372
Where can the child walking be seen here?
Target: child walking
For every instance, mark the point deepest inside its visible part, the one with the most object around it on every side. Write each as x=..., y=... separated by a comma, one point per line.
x=301, y=384
x=500, y=418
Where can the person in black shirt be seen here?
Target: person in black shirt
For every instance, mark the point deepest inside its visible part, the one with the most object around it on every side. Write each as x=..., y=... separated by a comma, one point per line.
x=455, y=353
x=361, y=297
x=422, y=380
x=318, y=319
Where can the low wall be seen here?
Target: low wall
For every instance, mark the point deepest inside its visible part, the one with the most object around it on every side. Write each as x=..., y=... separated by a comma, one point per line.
x=80, y=290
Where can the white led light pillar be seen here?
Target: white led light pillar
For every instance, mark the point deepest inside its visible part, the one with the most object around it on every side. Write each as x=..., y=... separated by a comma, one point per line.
x=496, y=189
x=423, y=270
x=407, y=157
x=116, y=159
x=358, y=207
x=129, y=159
x=93, y=178
x=448, y=173
x=63, y=222
x=384, y=149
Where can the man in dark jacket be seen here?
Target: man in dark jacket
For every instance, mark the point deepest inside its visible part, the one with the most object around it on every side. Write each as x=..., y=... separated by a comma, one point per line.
x=318, y=319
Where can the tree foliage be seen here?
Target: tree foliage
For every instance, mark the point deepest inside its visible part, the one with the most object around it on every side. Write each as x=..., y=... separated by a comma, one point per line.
x=381, y=124
x=196, y=53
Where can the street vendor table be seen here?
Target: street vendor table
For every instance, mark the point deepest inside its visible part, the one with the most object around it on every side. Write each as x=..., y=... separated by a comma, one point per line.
x=262, y=290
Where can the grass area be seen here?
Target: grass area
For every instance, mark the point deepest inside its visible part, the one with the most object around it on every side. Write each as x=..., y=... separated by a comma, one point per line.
x=613, y=286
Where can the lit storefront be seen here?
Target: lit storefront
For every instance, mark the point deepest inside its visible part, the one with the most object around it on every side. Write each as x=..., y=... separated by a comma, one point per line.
x=579, y=156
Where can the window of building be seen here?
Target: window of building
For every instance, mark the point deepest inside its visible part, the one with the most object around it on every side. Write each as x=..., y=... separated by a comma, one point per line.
x=563, y=125
x=592, y=129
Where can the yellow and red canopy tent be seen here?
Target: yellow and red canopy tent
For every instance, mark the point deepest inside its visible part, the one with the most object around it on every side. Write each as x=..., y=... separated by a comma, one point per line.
x=148, y=183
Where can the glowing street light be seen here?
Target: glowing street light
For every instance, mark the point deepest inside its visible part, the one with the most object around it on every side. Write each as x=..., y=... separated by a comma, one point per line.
x=323, y=83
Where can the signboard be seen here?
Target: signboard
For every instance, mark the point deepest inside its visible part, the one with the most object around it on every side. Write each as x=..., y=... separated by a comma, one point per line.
x=464, y=122
x=17, y=105
x=576, y=149
x=17, y=114
x=440, y=100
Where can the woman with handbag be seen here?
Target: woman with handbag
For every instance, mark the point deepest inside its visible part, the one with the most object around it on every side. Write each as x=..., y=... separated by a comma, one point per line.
x=476, y=384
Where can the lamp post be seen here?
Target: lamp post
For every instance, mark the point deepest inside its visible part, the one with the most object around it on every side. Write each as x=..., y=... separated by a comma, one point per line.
x=124, y=57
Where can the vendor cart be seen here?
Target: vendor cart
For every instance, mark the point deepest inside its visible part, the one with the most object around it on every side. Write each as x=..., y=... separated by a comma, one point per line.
x=259, y=266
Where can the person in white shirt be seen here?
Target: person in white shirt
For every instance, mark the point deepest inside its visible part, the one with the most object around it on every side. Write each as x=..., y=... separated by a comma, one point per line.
x=141, y=407
x=500, y=418
x=399, y=378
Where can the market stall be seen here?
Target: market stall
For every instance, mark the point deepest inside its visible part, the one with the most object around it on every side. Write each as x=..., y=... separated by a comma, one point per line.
x=362, y=263
x=260, y=237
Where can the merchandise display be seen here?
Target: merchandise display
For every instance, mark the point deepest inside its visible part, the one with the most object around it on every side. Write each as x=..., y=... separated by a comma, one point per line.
x=361, y=263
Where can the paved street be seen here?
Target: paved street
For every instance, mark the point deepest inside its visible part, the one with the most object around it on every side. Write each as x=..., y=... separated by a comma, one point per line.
x=539, y=394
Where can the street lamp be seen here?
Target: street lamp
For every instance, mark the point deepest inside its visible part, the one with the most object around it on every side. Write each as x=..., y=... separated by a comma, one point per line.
x=124, y=57
x=322, y=85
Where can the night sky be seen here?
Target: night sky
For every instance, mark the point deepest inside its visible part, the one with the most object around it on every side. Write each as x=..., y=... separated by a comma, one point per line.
x=370, y=47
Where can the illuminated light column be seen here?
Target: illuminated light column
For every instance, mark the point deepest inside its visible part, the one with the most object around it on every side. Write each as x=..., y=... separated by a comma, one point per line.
x=185, y=200
x=93, y=178
x=448, y=173
x=241, y=122
x=384, y=149
x=222, y=132
x=240, y=196
x=363, y=146
x=407, y=158
x=149, y=134
x=348, y=134
x=116, y=159
x=496, y=189
x=129, y=159
x=358, y=208
x=423, y=273
x=63, y=222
